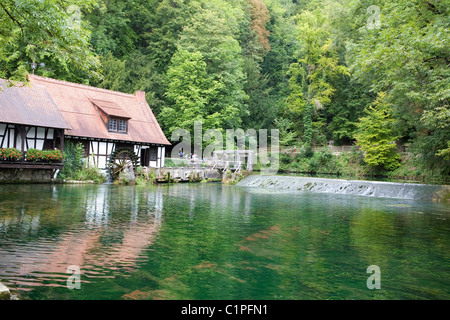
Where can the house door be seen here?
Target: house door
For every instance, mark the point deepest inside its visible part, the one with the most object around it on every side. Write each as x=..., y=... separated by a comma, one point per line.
x=145, y=157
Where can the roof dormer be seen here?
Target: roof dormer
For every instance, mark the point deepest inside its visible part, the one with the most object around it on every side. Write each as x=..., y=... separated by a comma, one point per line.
x=113, y=116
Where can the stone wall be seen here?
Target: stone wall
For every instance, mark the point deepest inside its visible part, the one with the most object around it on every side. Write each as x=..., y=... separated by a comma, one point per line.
x=26, y=176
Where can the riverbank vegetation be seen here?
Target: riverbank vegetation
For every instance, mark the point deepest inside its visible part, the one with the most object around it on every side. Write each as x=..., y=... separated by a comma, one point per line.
x=374, y=74
x=140, y=177
x=352, y=165
x=76, y=167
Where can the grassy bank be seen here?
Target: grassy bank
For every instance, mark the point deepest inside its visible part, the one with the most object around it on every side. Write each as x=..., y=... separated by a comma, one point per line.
x=351, y=165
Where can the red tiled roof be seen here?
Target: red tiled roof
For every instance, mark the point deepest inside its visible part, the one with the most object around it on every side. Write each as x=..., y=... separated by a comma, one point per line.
x=111, y=109
x=76, y=103
x=29, y=105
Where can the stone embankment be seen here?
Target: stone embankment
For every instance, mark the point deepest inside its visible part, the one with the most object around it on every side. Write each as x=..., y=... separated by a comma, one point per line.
x=407, y=191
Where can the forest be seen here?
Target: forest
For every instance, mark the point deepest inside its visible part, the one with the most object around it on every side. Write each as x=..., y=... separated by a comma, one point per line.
x=374, y=74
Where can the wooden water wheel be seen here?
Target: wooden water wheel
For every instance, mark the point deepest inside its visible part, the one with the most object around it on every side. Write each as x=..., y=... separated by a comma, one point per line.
x=121, y=159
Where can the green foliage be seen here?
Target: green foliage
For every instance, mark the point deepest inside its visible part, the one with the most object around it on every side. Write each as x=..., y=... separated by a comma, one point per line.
x=308, y=68
x=287, y=133
x=320, y=162
x=73, y=160
x=122, y=179
x=308, y=125
x=111, y=28
x=115, y=73
x=88, y=173
x=10, y=154
x=312, y=77
x=192, y=95
x=48, y=31
x=142, y=178
x=44, y=155
x=408, y=59
x=221, y=54
x=170, y=163
x=376, y=135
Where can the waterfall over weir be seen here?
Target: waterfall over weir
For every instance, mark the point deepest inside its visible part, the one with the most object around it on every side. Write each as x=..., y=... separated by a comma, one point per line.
x=377, y=189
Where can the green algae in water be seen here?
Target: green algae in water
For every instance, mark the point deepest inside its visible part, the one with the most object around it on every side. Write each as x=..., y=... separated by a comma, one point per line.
x=217, y=241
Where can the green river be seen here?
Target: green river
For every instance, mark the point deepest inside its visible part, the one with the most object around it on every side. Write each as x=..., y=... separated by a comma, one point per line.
x=218, y=242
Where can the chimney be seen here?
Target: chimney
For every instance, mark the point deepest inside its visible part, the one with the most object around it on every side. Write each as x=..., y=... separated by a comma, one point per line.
x=140, y=95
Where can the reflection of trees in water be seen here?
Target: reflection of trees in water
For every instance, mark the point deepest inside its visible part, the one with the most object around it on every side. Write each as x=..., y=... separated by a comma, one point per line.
x=213, y=236
x=397, y=241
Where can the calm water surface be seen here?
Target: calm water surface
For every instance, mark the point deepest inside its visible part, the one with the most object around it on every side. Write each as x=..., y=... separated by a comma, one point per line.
x=212, y=241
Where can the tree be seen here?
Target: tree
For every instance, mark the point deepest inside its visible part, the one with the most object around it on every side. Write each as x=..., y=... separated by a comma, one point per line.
x=114, y=72
x=287, y=133
x=111, y=27
x=283, y=45
x=191, y=95
x=158, y=24
x=46, y=32
x=312, y=76
x=376, y=135
x=348, y=105
x=212, y=31
x=254, y=41
x=259, y=15
x=408, y=58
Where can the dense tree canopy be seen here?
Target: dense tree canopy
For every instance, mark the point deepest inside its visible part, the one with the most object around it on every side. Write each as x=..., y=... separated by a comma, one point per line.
x=49, y=32
x=318, y=70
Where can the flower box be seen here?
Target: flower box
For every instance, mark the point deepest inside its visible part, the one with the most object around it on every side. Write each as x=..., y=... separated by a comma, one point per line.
x=44, y=156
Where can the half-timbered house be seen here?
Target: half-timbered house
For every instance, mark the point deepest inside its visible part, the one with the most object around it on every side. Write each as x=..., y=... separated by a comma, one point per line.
x=29, y=119
x=105, y=121
x=47, y=113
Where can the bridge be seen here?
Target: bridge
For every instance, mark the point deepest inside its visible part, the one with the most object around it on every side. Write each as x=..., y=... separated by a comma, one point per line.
x=185, y=170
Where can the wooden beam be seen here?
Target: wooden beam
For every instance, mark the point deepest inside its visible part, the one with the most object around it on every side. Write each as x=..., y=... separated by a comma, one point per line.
x=23, y=134
x=30, y=166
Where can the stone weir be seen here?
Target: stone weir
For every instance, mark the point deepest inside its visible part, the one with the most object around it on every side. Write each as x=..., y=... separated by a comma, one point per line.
x=409, y=191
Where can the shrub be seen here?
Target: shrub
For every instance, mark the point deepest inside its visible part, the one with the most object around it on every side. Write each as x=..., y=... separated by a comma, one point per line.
x=376, y=135
x=142, y=178
x=90, y=173
x=73, y=160
x=285, y=158
x=324, y=157
x=123, y=179
x=308, y=152
x=313, y=165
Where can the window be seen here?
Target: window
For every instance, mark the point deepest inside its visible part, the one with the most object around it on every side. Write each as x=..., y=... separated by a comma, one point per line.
x=112, y=125
x=122, y=126
x=117, y=125
x=153, y=154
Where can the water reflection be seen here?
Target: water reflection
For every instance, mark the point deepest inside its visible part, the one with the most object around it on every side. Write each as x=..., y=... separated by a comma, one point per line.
x=214, y=241
x=41, y=235
x=223, y=200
